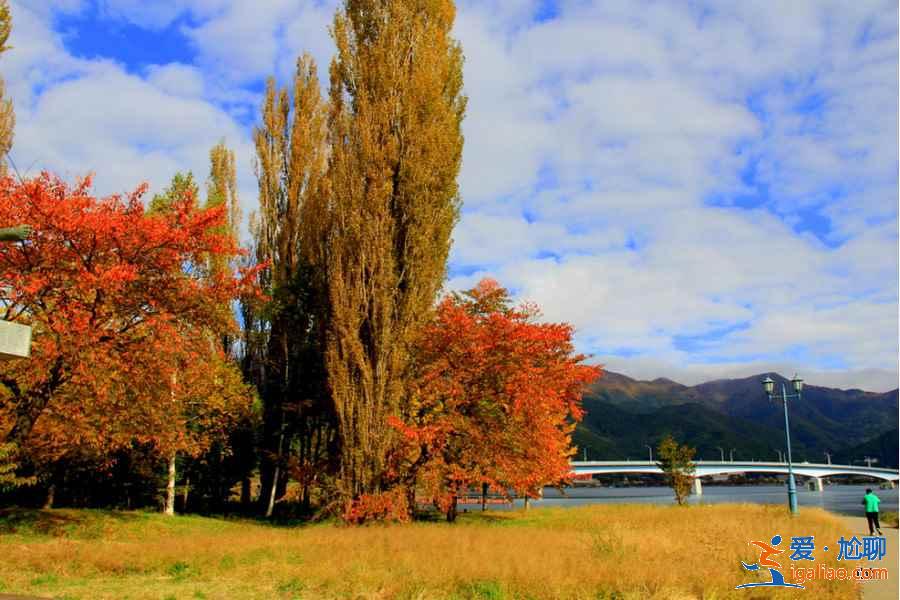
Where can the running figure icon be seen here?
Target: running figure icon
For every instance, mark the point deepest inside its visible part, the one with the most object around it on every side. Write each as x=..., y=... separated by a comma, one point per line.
x=767, y=551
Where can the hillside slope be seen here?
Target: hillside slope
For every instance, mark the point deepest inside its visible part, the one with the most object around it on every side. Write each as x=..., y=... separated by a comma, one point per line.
x=624, y=414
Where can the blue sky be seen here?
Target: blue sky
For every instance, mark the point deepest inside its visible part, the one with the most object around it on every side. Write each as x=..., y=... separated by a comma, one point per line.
x=704, y=189
x=92, y=34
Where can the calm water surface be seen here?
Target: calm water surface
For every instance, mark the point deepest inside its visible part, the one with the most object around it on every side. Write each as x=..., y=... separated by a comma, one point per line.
x=845, y=499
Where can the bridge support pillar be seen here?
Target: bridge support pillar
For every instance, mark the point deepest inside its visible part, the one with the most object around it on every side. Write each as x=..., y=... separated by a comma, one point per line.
x=815, y=484
x=888, y=485
x=698, y=487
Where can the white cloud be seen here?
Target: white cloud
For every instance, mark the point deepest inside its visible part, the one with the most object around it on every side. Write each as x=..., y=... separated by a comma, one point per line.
x=250, y=41
x=77, y=116
x=642, y=113
x=594, y=143
x=176, y=79
x=159, y=14
x=875, y=380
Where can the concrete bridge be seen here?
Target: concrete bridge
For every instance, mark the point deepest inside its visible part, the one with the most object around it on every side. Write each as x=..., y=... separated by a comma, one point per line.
x=816, y=472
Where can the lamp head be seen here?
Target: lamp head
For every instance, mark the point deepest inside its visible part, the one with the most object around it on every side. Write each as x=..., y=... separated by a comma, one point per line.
x=797, y=383
x=768, y=385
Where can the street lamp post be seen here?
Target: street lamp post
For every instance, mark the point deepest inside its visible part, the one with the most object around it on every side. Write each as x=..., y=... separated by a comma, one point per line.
x=828, y=457
x=780, y=455
x=721, y=452
x=731, y=454
x=650, y=448
x=769, y=387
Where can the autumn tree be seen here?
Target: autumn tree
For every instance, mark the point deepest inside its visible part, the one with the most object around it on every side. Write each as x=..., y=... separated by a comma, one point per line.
x=210, y=399
x=8, y=465
x=221, y=196
x=221, y=186
x=677, y=464
x=7, y=115
x=396, y=144
x=498, y=396
x=181, y=189
x=114, y=306
x=221, y=190
x=289, y=237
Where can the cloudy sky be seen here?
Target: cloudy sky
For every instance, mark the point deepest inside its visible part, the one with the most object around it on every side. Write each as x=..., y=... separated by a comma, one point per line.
x=704, y=189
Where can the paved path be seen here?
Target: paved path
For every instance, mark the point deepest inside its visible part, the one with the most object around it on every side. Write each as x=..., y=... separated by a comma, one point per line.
x=880, y=590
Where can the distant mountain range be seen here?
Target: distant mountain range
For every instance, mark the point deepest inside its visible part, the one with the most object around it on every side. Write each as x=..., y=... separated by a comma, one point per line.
x=624, y=415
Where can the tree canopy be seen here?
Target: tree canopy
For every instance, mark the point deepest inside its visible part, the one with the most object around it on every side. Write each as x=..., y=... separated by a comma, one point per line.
x=117, y=304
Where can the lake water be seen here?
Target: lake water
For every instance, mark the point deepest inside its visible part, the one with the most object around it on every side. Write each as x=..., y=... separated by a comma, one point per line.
x=846, y=499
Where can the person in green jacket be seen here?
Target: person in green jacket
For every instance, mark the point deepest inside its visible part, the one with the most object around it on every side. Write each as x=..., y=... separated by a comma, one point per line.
x=871, y=502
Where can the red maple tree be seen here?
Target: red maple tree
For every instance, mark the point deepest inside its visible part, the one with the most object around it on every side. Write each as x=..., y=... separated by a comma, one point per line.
x=498, y=397
x=118, y=300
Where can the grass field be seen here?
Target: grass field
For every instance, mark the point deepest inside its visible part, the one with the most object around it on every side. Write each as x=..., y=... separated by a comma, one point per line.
x=621, y=551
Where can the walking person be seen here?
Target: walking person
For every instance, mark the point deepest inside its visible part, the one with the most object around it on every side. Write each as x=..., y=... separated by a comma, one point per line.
x=871, y=502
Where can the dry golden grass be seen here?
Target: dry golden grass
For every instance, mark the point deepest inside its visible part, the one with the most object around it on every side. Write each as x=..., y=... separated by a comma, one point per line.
x=625, y=552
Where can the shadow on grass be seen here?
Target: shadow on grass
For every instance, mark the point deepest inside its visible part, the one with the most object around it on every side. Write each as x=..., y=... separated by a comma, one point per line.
x=91, y=522
x=58, y=522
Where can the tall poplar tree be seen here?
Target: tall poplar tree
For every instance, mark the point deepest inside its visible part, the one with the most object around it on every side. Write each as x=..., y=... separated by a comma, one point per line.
x=291, y=148
x=221, y=187
x=7, y=116
x=396, y=145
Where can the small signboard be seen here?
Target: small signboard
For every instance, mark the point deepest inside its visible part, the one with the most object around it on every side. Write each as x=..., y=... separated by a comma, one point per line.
x=15, y=340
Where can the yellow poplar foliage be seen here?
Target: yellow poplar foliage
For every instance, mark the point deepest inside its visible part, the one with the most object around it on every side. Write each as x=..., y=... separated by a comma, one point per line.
x=7, y=116
x=291, y=168
x=291, y=165
x=396, y=145
x=221, y=188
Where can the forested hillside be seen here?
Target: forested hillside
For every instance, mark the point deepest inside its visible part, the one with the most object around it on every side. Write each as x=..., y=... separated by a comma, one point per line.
x=623, y=414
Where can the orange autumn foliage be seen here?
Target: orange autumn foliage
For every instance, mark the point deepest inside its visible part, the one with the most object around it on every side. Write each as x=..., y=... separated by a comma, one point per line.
x=498, y=396
x=390, y=505
x=118, y=301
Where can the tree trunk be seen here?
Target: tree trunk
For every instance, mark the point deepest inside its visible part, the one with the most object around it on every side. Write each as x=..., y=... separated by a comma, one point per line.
x=452, y=511
x=184, y=493
x=245, y=493
x=526, y=501
x=270, y=506
x=484, y=491
x=411, y=499
x=51, y=496
x=169, y=507
x=282, y=477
